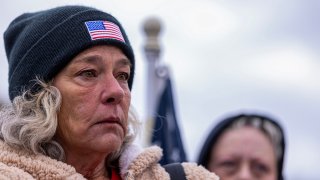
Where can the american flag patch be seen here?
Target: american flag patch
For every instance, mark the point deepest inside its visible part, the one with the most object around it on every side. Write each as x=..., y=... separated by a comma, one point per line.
x=104, y=30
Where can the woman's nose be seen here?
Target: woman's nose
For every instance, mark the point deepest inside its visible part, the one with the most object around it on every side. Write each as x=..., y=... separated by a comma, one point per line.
x=244, y=173
x=112, y=91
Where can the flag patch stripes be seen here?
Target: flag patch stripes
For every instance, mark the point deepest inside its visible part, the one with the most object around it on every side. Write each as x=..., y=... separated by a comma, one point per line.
x=104, y=30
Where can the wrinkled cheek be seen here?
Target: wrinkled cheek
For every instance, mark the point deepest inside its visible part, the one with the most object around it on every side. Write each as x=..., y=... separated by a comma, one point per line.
x=127, y=112
x=127, y=97
x=126, y=130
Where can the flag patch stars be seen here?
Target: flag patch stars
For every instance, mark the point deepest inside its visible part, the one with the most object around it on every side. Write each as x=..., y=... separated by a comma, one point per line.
x=104, y=30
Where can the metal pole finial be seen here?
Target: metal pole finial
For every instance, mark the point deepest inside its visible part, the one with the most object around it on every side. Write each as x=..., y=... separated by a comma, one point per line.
x=152, y=28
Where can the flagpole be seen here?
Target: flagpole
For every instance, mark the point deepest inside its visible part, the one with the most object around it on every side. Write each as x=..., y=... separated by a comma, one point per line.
x=152, y=28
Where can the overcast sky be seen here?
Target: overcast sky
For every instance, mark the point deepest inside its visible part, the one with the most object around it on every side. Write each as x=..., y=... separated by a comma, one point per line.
x=225, y=56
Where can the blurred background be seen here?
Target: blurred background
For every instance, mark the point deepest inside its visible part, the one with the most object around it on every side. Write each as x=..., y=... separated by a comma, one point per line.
x=225, y=56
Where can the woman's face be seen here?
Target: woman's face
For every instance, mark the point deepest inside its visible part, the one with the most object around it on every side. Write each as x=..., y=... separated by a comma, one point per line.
x=95, y=101
x=244, y=153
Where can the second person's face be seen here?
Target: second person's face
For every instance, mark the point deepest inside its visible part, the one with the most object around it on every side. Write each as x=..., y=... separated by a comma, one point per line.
x=243, y=154
x=95, y=101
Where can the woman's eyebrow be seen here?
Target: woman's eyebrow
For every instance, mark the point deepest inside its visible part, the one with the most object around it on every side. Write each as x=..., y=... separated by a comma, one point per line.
x=124, y=62
x=95, y=59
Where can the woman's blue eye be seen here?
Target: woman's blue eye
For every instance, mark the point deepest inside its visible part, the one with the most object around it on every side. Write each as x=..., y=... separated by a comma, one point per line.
x=88, y=73
x=260, y=168
x=123, y=76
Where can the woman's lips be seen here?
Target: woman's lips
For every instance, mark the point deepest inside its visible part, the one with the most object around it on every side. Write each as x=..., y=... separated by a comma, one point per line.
x=111, y=120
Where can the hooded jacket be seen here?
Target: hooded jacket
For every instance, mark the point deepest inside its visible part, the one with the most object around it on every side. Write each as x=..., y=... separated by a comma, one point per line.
x=135, y=163
x=216, y=132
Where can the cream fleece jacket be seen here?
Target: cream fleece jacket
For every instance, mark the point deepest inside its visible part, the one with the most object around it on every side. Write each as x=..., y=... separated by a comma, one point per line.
x=135, y=164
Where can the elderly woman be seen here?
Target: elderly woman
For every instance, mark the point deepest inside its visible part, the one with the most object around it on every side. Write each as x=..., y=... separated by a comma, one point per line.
x=245, y=146
x=71, y=71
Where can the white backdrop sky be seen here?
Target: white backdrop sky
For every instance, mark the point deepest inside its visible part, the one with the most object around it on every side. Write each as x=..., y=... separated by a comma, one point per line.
x=226, y=56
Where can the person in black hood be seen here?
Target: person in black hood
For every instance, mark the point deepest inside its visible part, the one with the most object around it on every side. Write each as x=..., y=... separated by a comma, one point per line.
x=245, y=146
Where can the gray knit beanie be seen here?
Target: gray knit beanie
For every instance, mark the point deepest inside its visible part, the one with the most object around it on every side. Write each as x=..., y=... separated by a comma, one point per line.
x=41, y=44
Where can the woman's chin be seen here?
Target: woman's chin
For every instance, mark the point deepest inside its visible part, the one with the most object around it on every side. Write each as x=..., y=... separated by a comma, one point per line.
x=108, y=143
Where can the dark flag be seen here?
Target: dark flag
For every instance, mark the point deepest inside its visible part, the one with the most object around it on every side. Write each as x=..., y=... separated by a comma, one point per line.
x=166, y=133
